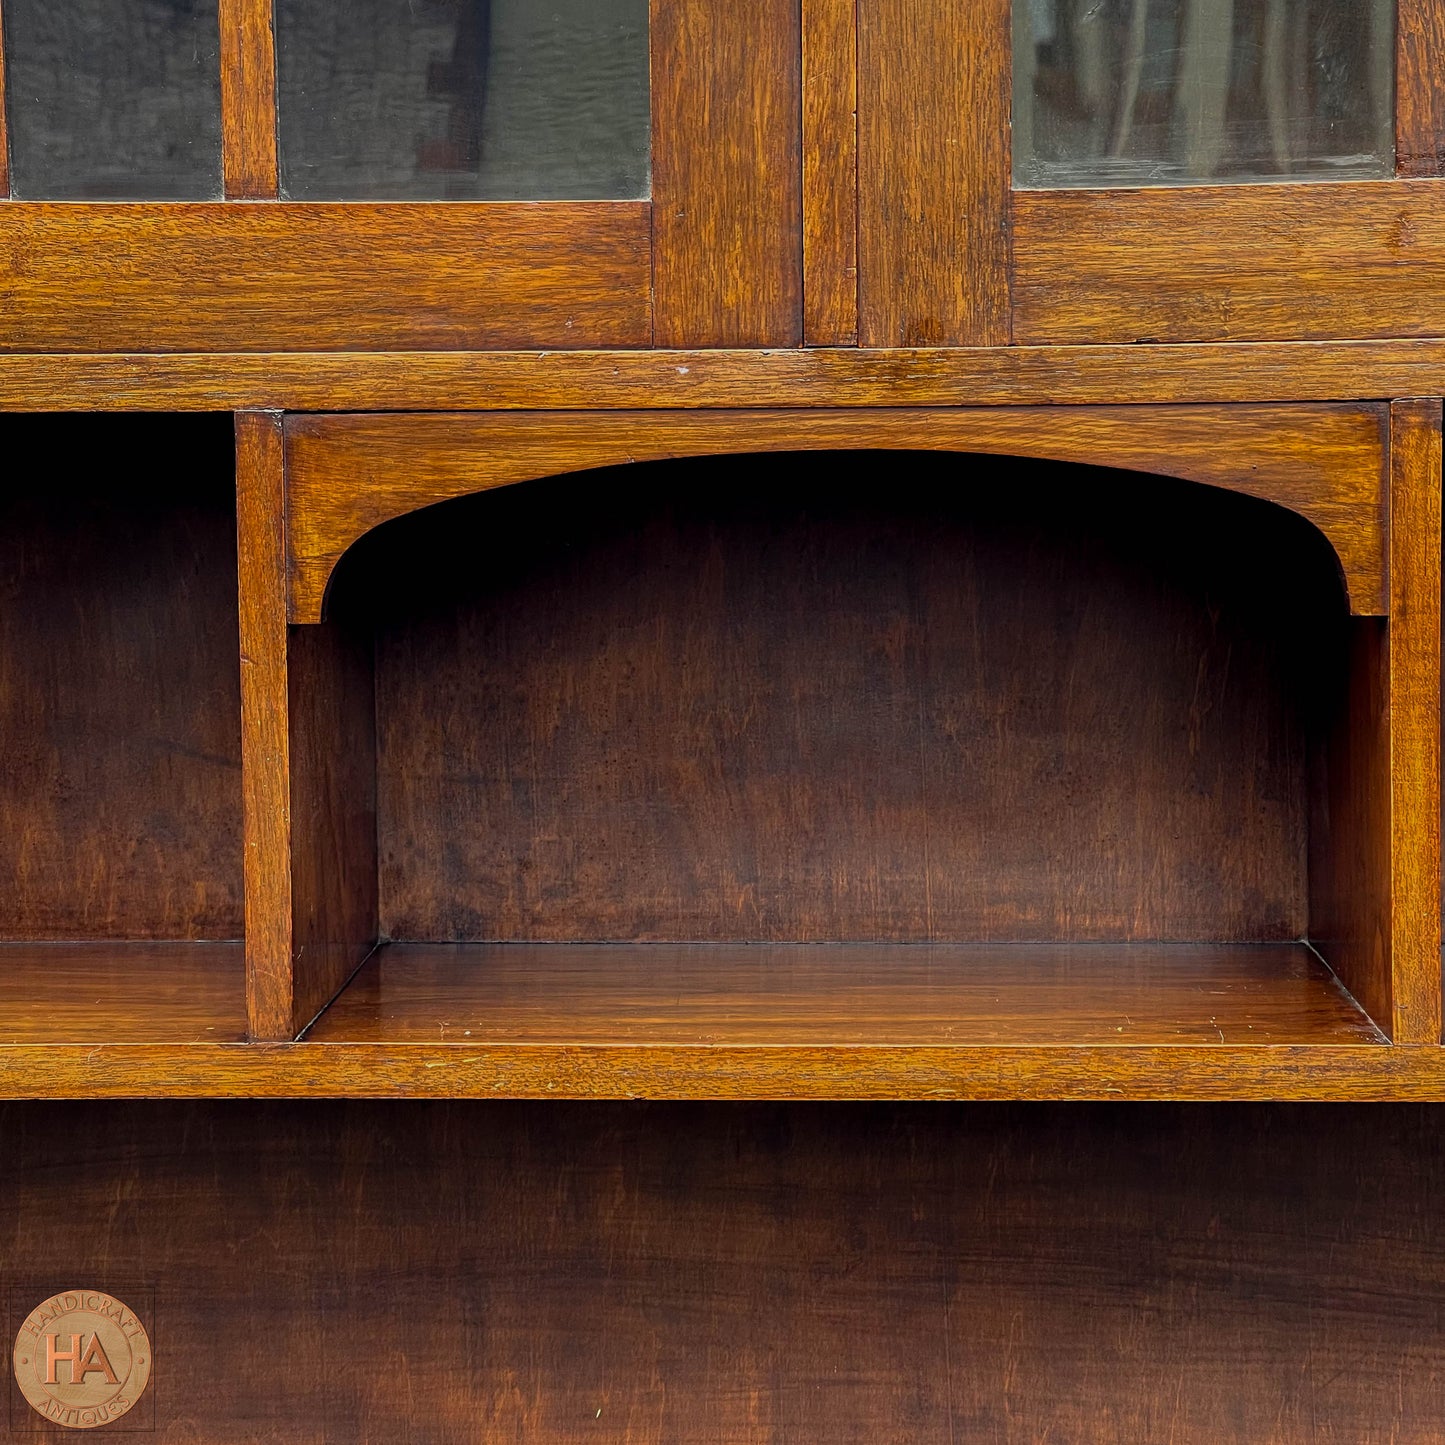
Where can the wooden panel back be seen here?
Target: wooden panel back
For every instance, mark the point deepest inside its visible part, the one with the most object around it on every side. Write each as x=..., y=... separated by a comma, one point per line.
x=747, y=700
x=119, y=705
x=284, y=277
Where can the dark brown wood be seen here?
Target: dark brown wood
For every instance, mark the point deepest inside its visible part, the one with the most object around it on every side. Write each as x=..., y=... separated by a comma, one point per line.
x=1419, y=90
x=749, y=701
x=120, y=790
x=830, y=172
x=837, y=995
x=706, y=380
x=4, y=129
x=933, y=172
x=301, y=277
x=726, y=173
x=1229, y=263
x=122, y=992
x=260, y=534
x=351, y=473
x=1415, y=717
x=248, y=100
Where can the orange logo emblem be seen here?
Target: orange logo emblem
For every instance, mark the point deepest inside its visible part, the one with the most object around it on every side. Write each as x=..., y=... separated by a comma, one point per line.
x=82, y=1359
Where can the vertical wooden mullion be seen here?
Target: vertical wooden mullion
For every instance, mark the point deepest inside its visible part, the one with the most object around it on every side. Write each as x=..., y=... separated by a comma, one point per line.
x=4, y=123
x=265, y=737
x=1414, y=683
x=830, y=172
x=1419, y=88
x=727, y=206
x=934, y=171
x=248, y=100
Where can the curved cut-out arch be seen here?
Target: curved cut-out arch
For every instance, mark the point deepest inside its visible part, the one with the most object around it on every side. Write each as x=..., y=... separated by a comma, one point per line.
x=346, y=475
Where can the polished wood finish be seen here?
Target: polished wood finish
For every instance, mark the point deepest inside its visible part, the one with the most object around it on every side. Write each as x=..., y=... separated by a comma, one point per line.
x=835, y=996
x=120, y=790
x=830, y=172
x=189, y=277
x=1419, y=90
x=122, y=992
x=726, y=173
x=248, y=100
x=933, y=172
x=350, y=473
x=4, y=128
x=1229, y=263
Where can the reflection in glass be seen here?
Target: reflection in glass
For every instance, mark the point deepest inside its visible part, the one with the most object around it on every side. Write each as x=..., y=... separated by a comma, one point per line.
x=463, y=99
x=1168, y=92
x=113, y=99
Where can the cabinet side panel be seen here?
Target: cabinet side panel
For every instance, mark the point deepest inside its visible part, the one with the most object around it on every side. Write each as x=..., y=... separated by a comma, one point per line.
x=933, y=172
x=727, y=173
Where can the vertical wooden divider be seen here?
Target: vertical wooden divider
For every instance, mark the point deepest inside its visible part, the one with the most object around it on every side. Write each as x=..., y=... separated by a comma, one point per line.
x=1419, y=88
x=1415, y=439
x=934, y=172
x=4, y=124
x=248, y=100
x=726, y=173
x=830, y=173
x=308, y=767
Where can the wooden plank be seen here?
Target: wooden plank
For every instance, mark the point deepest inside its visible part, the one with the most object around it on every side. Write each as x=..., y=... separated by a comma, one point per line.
x=830, y=173
x=726, y=173
x=228, y=276
x=845, y=994
x=248, y=100
x=1419, y=88
x=1230, y=263
x=1415, y=717
x=350, y=474
x=4, y=125
x=933, y=172
x=708, y=380
x=265, y=741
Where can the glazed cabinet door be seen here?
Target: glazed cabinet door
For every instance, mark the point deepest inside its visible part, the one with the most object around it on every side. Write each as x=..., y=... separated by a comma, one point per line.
x=228, y=175
x=1065, y=171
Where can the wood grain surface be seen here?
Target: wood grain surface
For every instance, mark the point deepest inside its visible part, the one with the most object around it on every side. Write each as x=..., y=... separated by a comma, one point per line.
x=122, y=992
x=277, y=277
x=248, y=100
x=727, y=173
x=1415, y=716
x=4, y=128
x=753, y=700
x=837, y=995
x=1419, y=90
x=933, y=172
x=1229, y=263
x=708, y=380
x=120, y=791
x=830, y=172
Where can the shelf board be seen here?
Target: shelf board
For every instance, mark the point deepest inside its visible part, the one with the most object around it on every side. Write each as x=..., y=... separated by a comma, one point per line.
x=821, y=996
x=122, y=993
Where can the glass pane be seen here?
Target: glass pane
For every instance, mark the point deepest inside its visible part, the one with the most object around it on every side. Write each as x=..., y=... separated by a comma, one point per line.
x=113, y=99
x=1169, y=92
x=463, y=99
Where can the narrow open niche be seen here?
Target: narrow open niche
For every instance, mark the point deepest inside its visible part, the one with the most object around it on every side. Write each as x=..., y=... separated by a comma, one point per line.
x=121, y=917
x=884, y=748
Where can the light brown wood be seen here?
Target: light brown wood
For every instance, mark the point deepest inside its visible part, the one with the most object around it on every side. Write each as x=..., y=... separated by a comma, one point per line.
x=933, y=172
x=842, y=995
x=122, y=992
x=1229, y=263
x=1415, y=442
x=830, y=172
x=726, y=173
x=1419, y=90
x=270, y=277
x=266, y=761
x=248, y=100
x=706, y=380
x=349, y=474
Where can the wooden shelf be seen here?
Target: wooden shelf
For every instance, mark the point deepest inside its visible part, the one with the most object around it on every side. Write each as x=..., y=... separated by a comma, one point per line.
x=122, y=993
x=845, y=995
